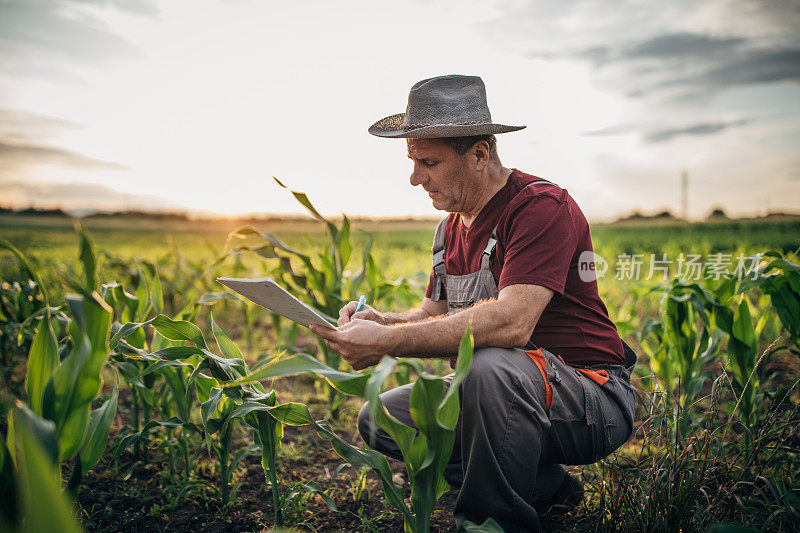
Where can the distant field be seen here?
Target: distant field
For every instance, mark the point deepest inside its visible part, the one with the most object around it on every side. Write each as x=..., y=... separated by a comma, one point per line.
x=396, y=245
x=50, y=237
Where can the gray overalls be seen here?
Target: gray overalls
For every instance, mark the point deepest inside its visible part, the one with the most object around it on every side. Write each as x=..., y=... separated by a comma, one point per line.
x=524, y=413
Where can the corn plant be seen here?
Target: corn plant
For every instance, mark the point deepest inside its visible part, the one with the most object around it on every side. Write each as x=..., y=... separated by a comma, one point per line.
x=322, y=280
x=259, y=410
x=29, y=467
x=780, y=279
x=22, y=302
x=426, y=449
x=733, y=314
x=224, y=399
x=685, y=342
x=62, y=390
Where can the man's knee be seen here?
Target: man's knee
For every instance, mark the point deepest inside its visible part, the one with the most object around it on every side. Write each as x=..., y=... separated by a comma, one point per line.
x=364, y=423
x=490, y=366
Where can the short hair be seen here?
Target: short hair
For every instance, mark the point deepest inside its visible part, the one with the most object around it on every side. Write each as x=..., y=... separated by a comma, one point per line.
x=462, y=145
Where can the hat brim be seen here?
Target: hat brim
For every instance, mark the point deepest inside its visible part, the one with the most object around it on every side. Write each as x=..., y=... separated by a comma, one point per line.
x=392, y=127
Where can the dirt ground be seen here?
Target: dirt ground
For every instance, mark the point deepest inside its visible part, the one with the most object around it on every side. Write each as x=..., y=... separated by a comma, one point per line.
x=139, y=494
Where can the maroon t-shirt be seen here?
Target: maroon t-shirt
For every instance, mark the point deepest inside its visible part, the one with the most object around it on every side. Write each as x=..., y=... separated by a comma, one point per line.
x=541, y=233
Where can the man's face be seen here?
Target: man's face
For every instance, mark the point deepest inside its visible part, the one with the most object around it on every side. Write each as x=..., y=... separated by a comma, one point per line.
x=441, y=172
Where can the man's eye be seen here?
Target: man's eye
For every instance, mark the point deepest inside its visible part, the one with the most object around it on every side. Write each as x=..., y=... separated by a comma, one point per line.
x=431, y=163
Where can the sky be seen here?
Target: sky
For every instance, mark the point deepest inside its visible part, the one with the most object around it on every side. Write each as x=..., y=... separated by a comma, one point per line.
x=194, y=105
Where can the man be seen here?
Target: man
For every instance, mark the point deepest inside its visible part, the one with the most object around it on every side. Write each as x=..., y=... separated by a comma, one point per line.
x=549, y=382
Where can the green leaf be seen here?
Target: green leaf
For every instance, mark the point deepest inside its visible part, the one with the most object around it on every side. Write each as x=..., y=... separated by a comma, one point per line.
x=314, y=488
x=155, y=367
x=344, y=242
x=178, y=330
x=96, y=437
x=125, y=331
x=173, y=353
x=226, y=345
x=77, y=380
x=447, y=412
x=34, y=274
x=426, y=394
x=42, y=362
x=157, y=292
x=224, y=370
x=362, y=457
x=88, y=257
x=305, y=202
x=40, y=429
x=743, y=325
x=44, y=505
x=210, y=406
x=348, y=382
x=383, y=370
x=211, y=297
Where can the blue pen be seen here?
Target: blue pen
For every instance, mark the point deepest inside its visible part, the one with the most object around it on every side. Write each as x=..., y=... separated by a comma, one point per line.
x=361, y=302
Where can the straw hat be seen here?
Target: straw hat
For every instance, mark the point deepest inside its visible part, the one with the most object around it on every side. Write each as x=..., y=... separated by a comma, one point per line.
x=445, y=106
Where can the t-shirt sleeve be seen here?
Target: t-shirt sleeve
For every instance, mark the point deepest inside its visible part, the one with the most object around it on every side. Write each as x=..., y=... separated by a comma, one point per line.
x=539, y=245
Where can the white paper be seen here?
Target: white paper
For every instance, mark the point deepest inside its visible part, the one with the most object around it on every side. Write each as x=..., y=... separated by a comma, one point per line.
x=268, y=294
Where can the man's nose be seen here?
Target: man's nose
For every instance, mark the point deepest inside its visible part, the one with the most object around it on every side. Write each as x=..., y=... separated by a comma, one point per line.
x=417, y=177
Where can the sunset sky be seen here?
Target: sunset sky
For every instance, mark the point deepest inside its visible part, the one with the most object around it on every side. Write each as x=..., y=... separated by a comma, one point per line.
x=195, y=104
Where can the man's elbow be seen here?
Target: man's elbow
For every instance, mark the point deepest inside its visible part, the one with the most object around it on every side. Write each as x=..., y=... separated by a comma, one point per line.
x=517, y=335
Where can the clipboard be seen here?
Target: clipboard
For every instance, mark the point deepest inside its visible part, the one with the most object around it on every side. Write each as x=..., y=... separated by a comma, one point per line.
x=269, y=295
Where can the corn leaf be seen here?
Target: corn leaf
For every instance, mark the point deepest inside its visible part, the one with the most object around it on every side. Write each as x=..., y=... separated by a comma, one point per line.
x=178, y=330
x=38, y=483
x=94, y=441
x=447, y=411
x=365, y=457
x=126, y=330
x=352, y=383
x=42, y=362
x=157, y=293
x=34, y=274
x=88, y=257
x=77, y=380
x=226, y=345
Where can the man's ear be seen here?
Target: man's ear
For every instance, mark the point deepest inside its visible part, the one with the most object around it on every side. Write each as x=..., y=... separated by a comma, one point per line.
x=480, y=154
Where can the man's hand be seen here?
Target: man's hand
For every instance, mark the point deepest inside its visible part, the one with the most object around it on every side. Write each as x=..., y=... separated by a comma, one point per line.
x=361, y=343
x=347, y=313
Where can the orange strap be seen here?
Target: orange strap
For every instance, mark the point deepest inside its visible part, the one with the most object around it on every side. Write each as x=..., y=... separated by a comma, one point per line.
x=538, y=358
x=598, y=376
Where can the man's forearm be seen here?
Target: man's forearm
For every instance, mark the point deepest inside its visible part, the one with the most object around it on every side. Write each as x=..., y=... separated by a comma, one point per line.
x=412, y=315
x=491, y=326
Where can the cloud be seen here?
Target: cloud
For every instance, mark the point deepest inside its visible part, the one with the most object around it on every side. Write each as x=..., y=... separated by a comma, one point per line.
x=619, y=129
x=14, y=157
x=18, y=125
x=683, y=50
x=683, y=45
x=700, y=129
x=37, y=36
x=756, y=66
x=144, y=8
x=23, y=147
x=73, y=196
x=659, y=135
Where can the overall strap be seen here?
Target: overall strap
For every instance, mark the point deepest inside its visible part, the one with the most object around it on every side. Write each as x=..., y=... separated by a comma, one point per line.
x=438, y=248
x=486, y=258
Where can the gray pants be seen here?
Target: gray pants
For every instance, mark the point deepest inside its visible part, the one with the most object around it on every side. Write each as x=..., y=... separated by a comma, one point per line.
x=516, y=429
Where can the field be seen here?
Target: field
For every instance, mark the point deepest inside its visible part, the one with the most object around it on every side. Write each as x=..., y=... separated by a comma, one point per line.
x=175, y=426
